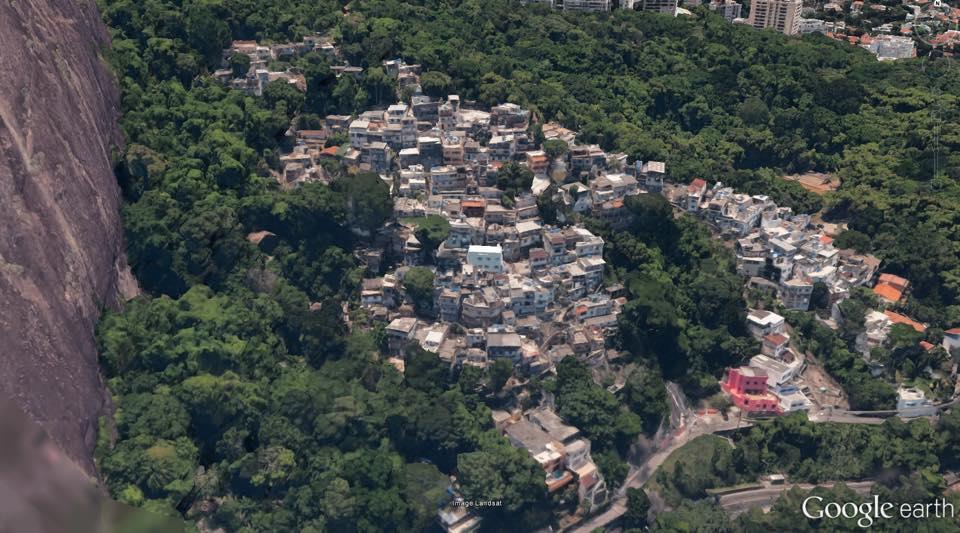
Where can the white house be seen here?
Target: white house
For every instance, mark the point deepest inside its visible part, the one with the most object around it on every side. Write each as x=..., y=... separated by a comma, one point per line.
x=762, y=323
x=951, y=340
x=912, y=403
x=778, y=372
x=486, y=258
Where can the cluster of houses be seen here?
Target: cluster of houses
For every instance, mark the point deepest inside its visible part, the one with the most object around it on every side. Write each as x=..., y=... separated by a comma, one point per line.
x=605, y=193
x=539, y=303
x=557, y=447
x=768, y=384
x=507, y=286
x=259, y=75
x=891, y=291
x=656, y=6
x=787, y=255
x=932, y=21
x=438, y=138
x=265, y=56
x=776, y=249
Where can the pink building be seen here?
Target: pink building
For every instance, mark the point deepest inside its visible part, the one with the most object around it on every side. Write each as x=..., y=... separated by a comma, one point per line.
x=747, y=387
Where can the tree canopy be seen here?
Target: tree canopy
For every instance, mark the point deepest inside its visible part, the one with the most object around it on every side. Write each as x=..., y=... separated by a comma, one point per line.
x=239, y=387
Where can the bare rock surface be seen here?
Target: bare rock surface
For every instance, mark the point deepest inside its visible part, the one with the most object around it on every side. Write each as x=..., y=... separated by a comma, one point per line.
x=61, y=242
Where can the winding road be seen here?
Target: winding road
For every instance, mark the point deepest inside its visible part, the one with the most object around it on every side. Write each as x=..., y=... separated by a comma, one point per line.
x=680, y=433
x=665, y=443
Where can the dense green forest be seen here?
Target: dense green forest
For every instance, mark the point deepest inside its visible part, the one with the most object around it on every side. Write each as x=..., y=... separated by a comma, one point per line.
x=241, y=396
x=685, y=312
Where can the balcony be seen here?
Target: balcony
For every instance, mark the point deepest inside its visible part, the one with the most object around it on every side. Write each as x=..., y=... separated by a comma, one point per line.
x=558, y=479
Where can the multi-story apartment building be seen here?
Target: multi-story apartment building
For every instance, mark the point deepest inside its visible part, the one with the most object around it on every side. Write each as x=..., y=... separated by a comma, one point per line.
x=502, y=147
x=585, y=157
x=377, y=155
x=448, y=304
x=781, y=15
x=453, y=151
x=485, y=258
x=430, y=151
x=425, y=109
x=728, y=9
x=657, y=6
x=795, y=294
x=584, y=5
x=652, y=173
x=358, y=132
x=537, y=161
x=445, y=179
x=481, y=309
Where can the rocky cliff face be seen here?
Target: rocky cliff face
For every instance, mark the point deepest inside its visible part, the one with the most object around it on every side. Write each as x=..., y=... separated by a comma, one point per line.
x=61, y=244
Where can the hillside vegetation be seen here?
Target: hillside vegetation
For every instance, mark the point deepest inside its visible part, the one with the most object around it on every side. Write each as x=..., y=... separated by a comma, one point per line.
x=235, y=394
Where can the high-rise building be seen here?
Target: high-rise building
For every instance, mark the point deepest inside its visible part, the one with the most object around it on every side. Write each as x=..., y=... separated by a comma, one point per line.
x=781, y=15
x=584, y=5
x=587, y=5
x=728, y=9
x=657, y=6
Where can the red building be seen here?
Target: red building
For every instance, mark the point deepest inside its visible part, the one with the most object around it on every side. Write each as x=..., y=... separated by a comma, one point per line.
x=747, y=387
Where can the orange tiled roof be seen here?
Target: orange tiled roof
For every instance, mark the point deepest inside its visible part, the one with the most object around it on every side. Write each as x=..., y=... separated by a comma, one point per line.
x=776, y=338
x=897, y=318
x=926, y=345
x=888, y=292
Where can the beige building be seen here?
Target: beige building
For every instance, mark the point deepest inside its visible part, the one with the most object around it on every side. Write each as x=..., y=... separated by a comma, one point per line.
x=584, y=5
x=657, y=6
x=781, y=15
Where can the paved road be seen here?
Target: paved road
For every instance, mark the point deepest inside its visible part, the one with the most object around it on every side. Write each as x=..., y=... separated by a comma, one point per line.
x=640, y=474
x=861, y=417
x=842, y=417
x=741, y=502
